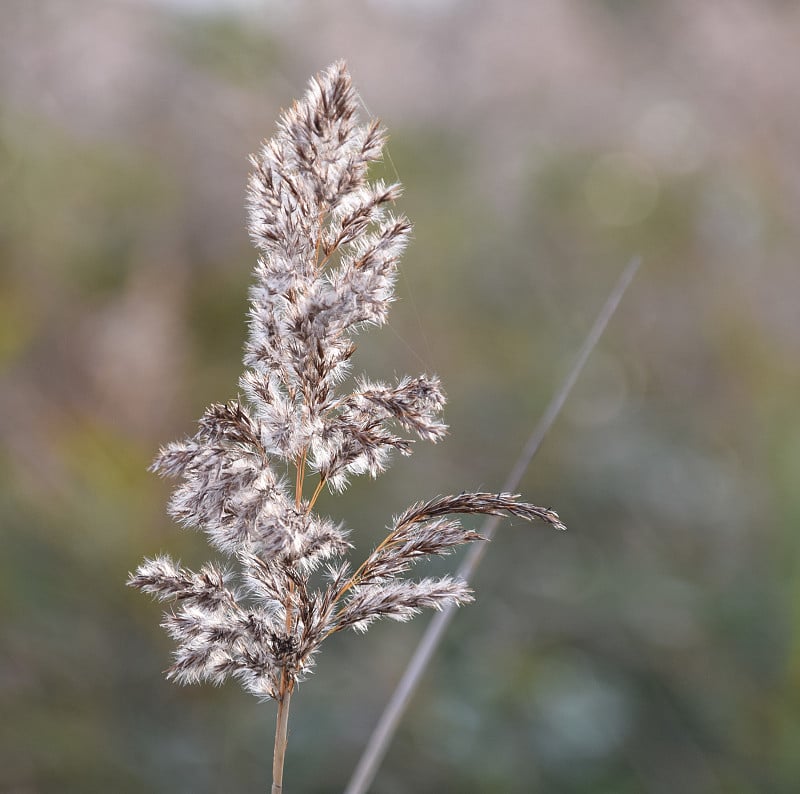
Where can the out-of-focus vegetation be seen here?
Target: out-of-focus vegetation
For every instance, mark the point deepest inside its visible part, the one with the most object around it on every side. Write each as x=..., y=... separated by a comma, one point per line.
x=655, y=646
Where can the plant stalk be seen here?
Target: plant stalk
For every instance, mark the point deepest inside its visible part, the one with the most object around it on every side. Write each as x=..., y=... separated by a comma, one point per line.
x=281, y=737
x=382, y=735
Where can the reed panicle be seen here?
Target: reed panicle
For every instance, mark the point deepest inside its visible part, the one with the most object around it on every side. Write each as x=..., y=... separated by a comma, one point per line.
x=329, y=247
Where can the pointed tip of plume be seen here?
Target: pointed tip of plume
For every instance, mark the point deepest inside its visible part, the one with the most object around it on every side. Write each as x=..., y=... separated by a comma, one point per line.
x=335, y=77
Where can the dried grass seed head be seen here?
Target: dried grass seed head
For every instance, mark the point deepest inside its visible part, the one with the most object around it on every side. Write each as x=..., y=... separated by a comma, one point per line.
x=328, y=254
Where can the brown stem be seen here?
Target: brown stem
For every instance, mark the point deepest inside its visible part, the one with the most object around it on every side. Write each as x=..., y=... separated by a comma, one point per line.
x=320, y=219
x=300, y=477
x=281, y=737
x=353, y=580
x=315, y=495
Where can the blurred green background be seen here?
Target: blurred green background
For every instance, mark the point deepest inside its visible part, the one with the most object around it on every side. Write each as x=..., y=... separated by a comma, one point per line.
x=655, y=647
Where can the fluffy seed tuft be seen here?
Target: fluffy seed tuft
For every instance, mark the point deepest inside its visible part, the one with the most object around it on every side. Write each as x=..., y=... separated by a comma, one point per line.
x=329, y=249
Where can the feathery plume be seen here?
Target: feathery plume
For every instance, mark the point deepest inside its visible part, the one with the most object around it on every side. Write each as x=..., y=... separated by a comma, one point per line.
x=329, y=249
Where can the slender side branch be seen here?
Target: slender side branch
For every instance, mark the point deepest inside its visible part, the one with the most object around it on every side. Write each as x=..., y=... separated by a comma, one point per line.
x=384, y=731
x=315, y=495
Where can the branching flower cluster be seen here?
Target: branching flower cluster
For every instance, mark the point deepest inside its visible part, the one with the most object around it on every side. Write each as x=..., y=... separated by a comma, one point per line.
x=329, y=248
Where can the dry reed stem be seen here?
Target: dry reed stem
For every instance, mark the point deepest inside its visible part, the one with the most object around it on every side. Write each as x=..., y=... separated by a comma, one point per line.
x=382, y=734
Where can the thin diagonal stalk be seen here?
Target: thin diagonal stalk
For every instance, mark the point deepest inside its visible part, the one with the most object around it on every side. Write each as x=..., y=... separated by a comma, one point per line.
x=387, y=725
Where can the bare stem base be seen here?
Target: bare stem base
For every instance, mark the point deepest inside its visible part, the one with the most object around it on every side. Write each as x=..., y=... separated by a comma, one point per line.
x=281, y=737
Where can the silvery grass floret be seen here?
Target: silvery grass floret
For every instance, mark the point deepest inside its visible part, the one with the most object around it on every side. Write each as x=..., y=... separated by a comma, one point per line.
x=329, y=248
